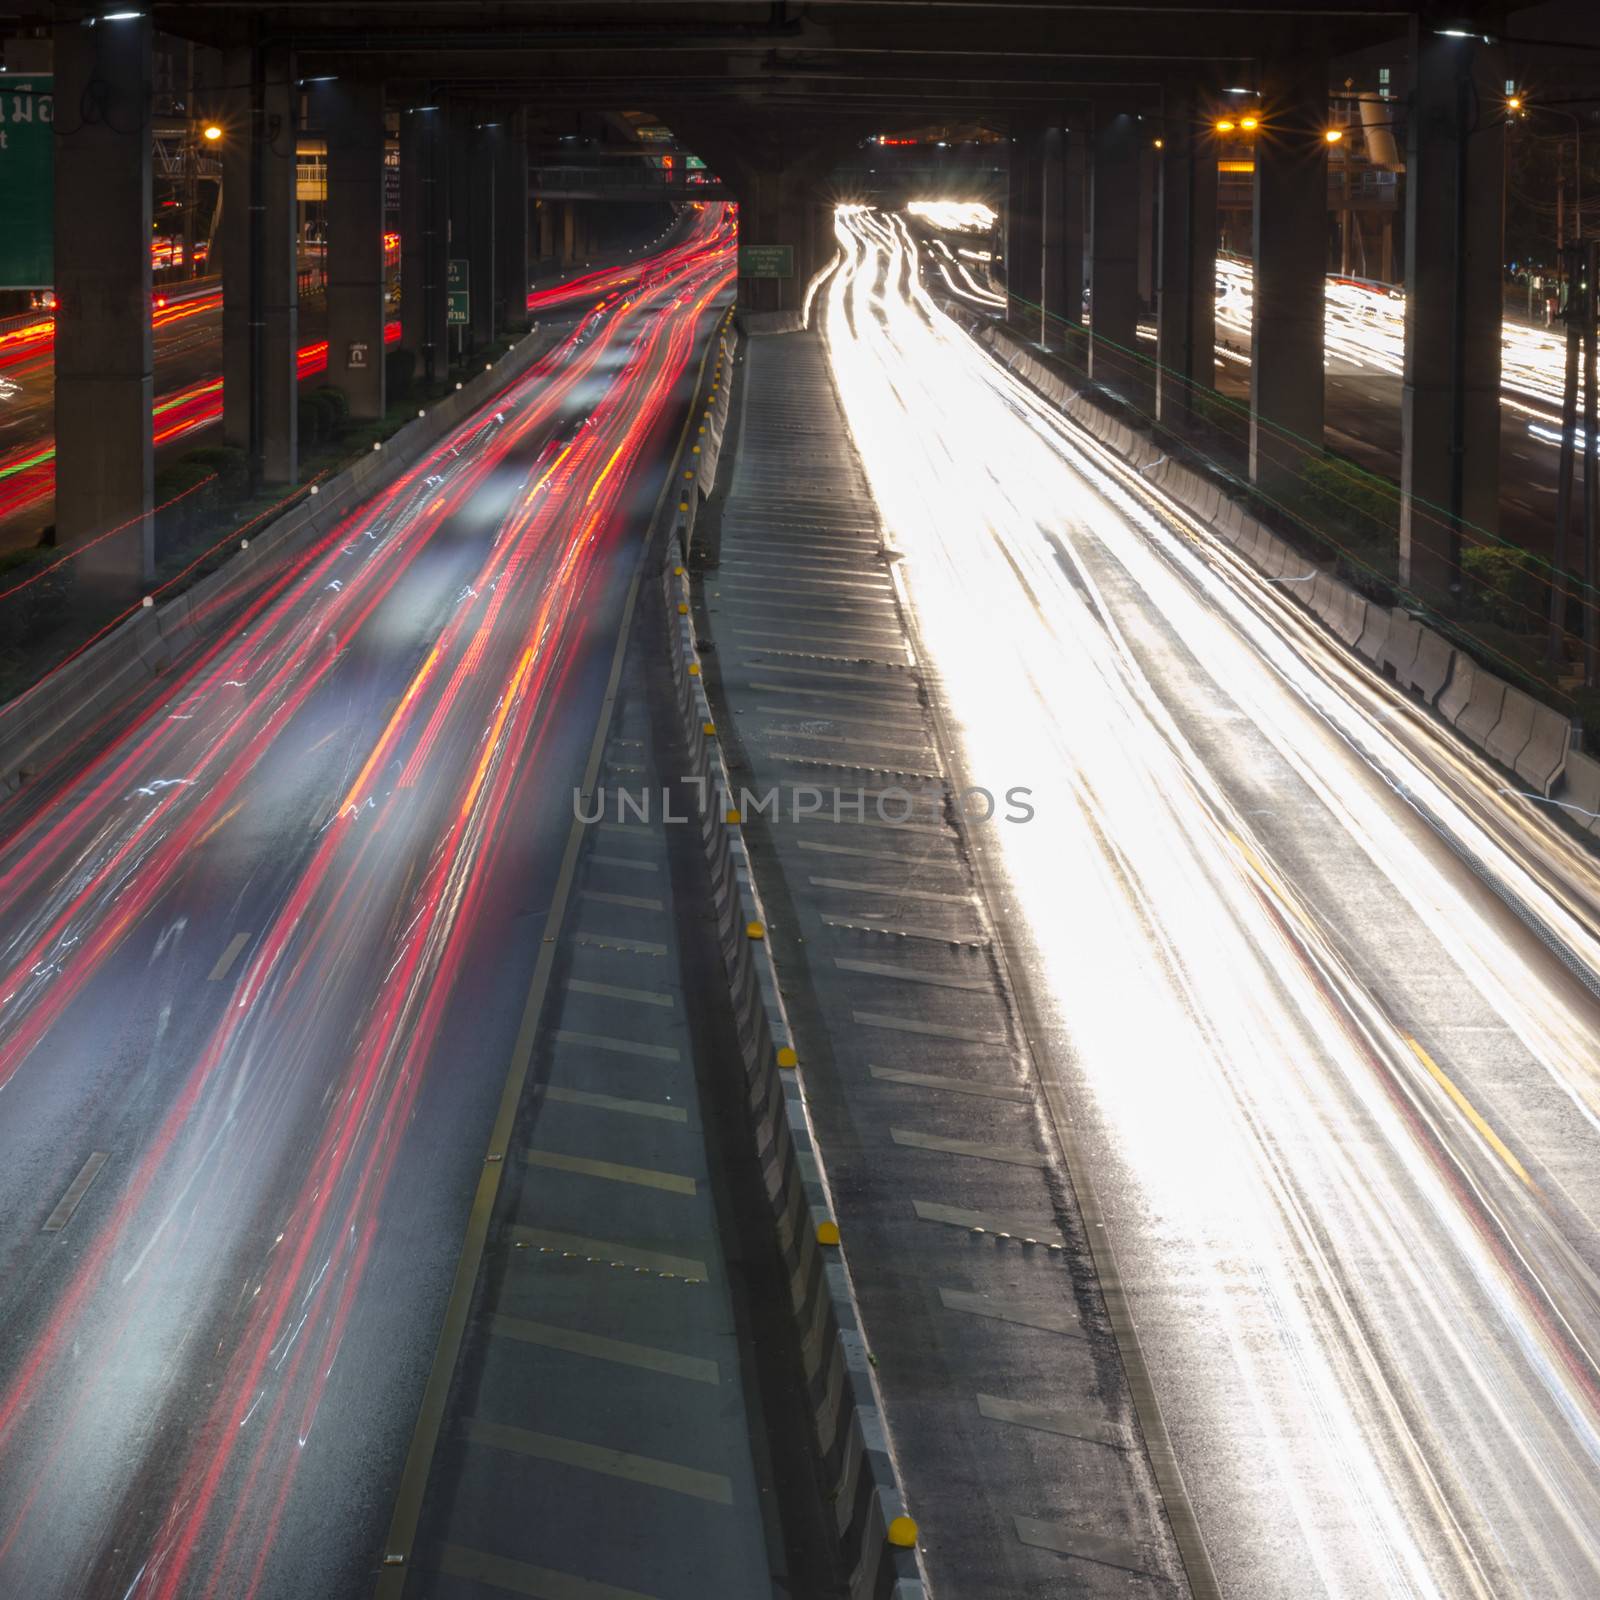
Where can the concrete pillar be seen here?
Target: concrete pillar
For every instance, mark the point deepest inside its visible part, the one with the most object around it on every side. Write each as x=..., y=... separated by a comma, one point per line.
x=1074, y=235
x=1291, y=264
x=482, y=251
x=1114, y=250
x=104, y=371
x=546, y=217
x=569, y=233
x=511, y=225
x=1450, y=402
x=778, y=206
x=424, y=240
x=1055, y=304
x=1024, y=247
x=260, y=290
x=1186, y=318
x=1149, y=207
x=350, y=113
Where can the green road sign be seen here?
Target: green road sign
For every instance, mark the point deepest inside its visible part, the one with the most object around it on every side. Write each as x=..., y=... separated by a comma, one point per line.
x=766, y=261
x=458, y=297
x=27, y=180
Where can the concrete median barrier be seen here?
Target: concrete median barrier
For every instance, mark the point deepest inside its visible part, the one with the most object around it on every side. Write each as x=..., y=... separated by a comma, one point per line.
x=1485, y=703
x=1400, y=648
x=1374, y=635
x=1543, y=758
x=1430, y=667
x=1507, y=739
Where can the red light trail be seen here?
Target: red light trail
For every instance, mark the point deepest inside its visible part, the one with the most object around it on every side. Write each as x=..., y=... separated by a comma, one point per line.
x=316, y=1055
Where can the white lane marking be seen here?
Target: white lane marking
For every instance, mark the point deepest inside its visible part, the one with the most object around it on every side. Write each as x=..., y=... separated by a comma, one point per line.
x=610, y=1250
x=614, y=991
x=932, y=1080
x=967, y=1147
x=624, y=861
x=633, y=902
x=621, y=1047
x=888, y=890
x=615, y=941
x=229, y=955
x=1041, y=1228
x=610, y=1102
x=76, y=1190
x=932, y=1030
x=611, y=1171
x=887, y=969
x=1025, y=1316
x=973, y=941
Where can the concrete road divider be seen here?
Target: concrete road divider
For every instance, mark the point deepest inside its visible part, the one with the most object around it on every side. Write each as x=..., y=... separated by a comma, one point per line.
x=1374, y=635
x=1512, y=729
x=1350, y=616
x=1548, y=747
x=1578, y=794
x=1430, y=667
x=1400, y=648
x=1483, y=708
x=876, y=1536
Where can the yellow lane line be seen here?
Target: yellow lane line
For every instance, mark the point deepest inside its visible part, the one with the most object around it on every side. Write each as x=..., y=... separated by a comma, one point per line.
x=1466, y=1108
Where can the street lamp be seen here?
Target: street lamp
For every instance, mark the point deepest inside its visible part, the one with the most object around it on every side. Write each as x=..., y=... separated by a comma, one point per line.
x=211, y=133
x=1333, y=135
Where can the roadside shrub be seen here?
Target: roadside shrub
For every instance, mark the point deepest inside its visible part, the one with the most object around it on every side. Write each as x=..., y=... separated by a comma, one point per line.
x=1342, y=491
x=33, y=613
x=1505, y=586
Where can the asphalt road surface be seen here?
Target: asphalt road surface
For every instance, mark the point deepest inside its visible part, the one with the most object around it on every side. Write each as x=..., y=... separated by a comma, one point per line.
x=265, y=945
x=1316, y=984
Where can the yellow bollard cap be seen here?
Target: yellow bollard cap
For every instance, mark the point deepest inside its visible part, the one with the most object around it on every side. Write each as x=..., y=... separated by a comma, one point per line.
x=754, y=930
x=787, y=1057
x=733, y=816
x=903, y=1533
x=828, y=1232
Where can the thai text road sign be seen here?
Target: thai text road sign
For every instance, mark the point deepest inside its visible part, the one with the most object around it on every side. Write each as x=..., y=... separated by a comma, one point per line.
x=27, y=180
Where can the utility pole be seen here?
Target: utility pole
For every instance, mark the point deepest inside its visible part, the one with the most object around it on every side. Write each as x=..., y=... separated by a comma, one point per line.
x=1576, y=319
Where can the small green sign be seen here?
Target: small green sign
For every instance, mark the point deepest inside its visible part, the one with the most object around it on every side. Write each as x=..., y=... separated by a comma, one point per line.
x=766, y=261
x=27, y=180
x=458, y=298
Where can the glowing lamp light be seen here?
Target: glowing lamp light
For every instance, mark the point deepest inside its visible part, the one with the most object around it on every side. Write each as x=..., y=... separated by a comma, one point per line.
x=1249, y=124
x=1334, y=135
x=1225, y=125
x=211, y=133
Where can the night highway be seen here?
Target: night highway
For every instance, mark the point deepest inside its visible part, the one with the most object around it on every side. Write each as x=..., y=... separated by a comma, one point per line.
x=1355, y=971
x=802, y=803
x=266, y=939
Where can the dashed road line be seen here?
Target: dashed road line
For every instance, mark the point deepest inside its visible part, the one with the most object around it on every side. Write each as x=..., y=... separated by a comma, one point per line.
x=572, y=1342
x=611, y=1171
x=1024, y=1316
x=930, y=1080
x=1040, y=1228
x=609, y=1250
x=891, y=890
x=632, y=901
x=971, y=941
x=624, y=861
x=968, y=1147
x=610, y=1102
x=931, y=1030
x=1085, y=1546
x=1052, y=1419
x=936, y=980
x=615, y=941
x=621, y=1047
x=519, y=1577
x=76, y=1190
x=602, y=1459
x=615, y=991
x=229, y=955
